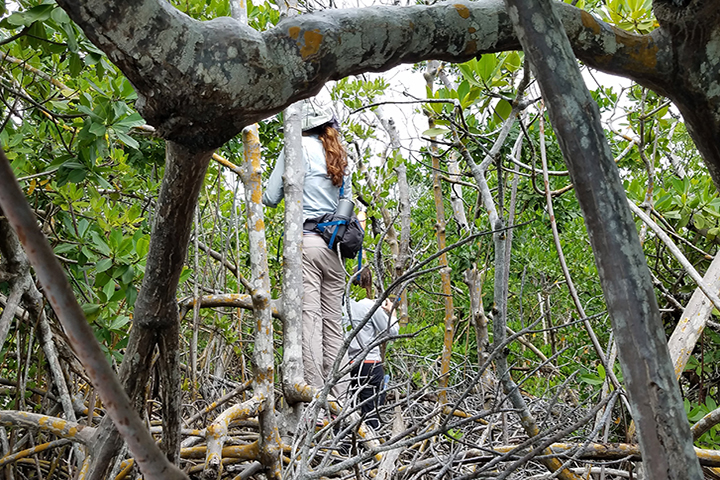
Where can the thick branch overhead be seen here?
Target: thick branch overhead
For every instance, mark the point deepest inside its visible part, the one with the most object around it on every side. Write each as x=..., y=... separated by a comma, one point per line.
x=200, y=83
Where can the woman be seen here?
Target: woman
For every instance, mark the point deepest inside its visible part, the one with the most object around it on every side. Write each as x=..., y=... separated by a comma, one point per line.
x=323, y=272
x=367, y=374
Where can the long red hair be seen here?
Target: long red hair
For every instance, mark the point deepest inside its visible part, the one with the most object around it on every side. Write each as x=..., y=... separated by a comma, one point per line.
x=335, y=155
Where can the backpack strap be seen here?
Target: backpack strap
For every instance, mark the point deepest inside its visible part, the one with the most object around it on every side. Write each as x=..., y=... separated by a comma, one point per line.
x=322, y=226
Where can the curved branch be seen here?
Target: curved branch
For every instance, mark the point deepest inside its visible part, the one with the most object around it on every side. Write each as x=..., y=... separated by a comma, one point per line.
x=200, y=83
x=57, y=426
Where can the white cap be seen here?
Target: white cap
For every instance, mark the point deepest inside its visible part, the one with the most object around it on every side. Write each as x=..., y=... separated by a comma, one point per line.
x=313, y=116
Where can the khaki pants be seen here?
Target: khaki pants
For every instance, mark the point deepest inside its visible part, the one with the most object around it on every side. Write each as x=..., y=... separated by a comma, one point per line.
x=324, y=283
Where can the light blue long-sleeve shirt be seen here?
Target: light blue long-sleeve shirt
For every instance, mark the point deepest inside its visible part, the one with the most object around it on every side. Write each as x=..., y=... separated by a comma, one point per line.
x=320, y=196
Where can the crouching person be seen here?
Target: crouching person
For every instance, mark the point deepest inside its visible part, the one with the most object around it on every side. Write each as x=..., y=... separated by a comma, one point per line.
x=367, y=374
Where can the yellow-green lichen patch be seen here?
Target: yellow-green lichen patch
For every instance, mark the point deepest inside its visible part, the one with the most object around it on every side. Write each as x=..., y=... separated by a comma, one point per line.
x=643, y=51
x=590, y=22
x=313, y=39
x=462, y=10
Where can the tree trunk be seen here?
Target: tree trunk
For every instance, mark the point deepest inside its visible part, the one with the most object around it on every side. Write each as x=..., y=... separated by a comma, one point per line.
x=263, y=354
x=657, y=407
x=62, y=298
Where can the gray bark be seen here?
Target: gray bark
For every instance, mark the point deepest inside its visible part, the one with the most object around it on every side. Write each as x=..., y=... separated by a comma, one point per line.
x=156, y=311
x=263, y=354
x=664, y=434
x=61, y=297
x=292, y=368
x=200, y=83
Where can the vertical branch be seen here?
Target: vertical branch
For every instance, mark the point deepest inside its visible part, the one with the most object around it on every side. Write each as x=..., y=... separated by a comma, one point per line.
x=196, y=307
x=442, y=260
x=292, y=296
x=19, y=267
x=238, y=10
x=664, y=434
x=390, y=233
x=563, y=264
x=499, y=338
x=649, y=167
x=152, y=462
x=263, y=358
x=399, y=245
x=405, y=231
x=156, y=310
x=473, y=278
x=691, y=324
x=456, y=200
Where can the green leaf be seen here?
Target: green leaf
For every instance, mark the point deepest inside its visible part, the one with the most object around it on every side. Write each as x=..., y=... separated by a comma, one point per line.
x=97, y=129
x=119, y=322
x=142, y=245
x=115, y=239
x=503, y=109
x=109, y=289
x=134, y=120
x=186, y=273
x=91, y=310
x=513, y=60
x=127, y=139
x=131, y=295
x=69, y=30
x=590, y=379
x=16, y=19
x=89, y=255
x=76, y=64
x=468, y=99
x=100, y=243
x=467, y=70
x=435, y=132
x=463, y=89
x=39, y=13
x=103, y=265
x=485, y=67
x=129, y=275
x=59, y=15
x=64, y=248
x=83, y=225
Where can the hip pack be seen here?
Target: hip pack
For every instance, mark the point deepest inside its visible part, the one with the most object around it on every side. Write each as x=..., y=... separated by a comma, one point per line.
x=339, y=230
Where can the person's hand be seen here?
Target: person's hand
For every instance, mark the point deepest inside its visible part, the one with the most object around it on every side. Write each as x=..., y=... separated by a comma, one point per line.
x=387, y=305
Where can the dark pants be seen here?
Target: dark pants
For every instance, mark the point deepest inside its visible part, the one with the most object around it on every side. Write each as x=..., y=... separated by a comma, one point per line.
x=366, y=389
